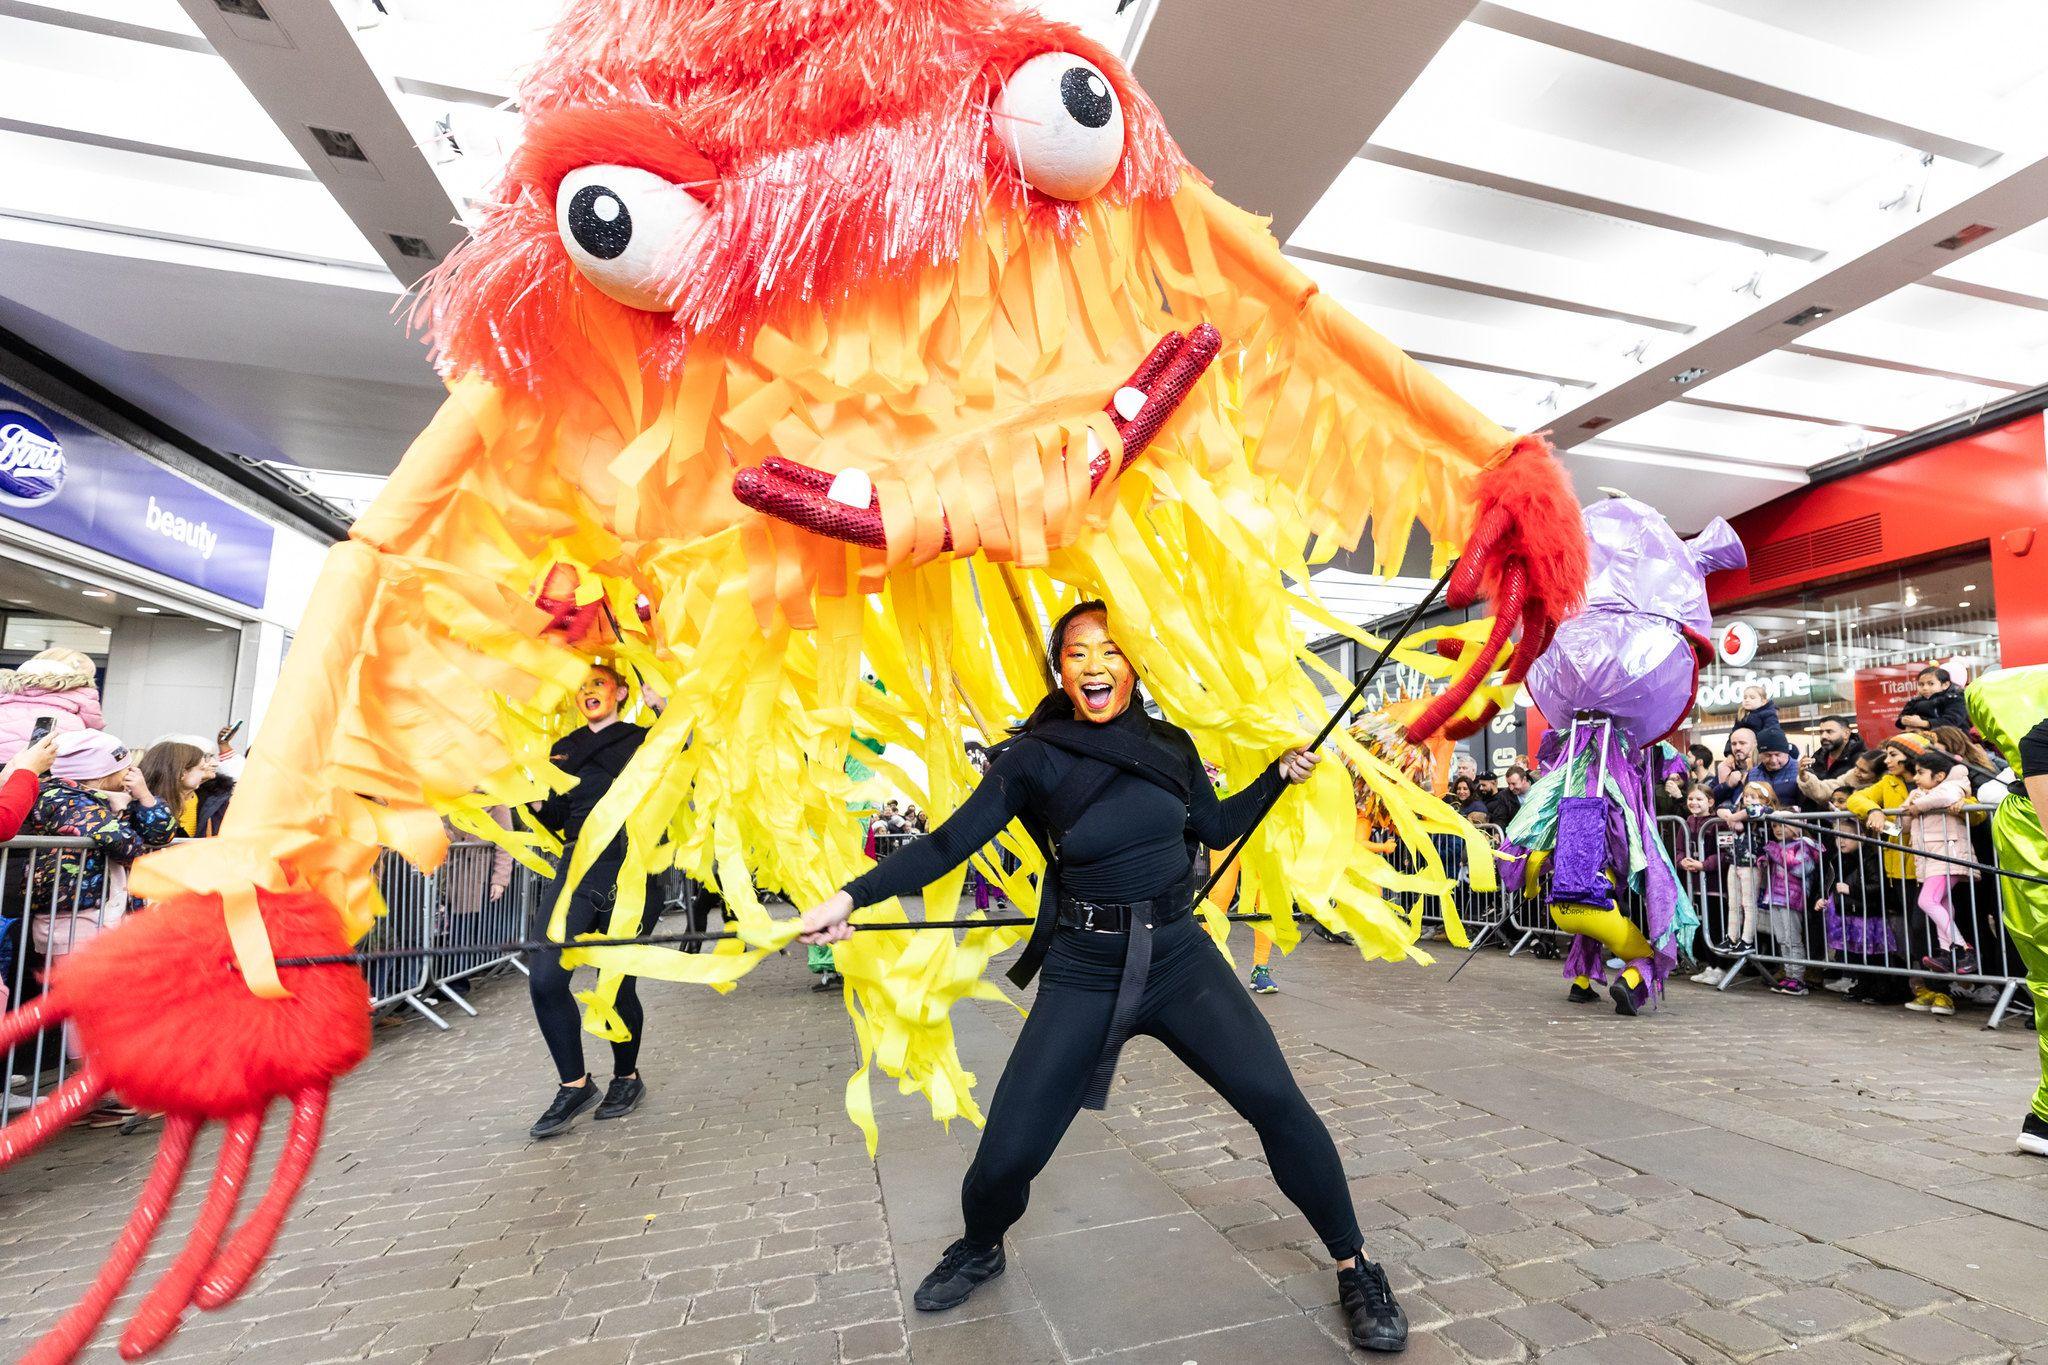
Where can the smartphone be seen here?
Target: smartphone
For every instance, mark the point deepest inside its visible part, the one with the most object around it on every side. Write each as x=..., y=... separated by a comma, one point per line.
x=42, y=727
x=229, y=731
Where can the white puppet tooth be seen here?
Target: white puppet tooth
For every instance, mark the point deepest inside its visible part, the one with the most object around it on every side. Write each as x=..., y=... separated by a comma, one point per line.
x=852, y=487
x=1128, y=401
x=1095, y=447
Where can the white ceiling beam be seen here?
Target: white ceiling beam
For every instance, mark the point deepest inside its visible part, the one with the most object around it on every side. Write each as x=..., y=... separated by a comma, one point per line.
x=1319, y=74
x=88, y=87
x=1452, y=341
x=303, y=66
x=1711, y=49
x=72, y=17
x=1577, y=175
x=1341, y=233
x=141, y=196
x=2011, y=196
x=2005, y=273
x=1902, y=362
x=1788, y=414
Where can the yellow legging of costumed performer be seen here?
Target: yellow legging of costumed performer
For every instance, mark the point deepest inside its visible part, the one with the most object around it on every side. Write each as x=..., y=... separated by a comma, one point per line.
x=1605, y=925
x=1219, y=896
x=1612, y=930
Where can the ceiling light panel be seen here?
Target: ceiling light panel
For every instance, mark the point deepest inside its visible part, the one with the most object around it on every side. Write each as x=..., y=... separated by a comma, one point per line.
x=132, y=192
x=1834, y=391
x=98, y=86
x=1737, y=436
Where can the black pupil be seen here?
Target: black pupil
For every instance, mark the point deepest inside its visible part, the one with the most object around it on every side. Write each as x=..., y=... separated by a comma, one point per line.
x=1086, y=96
x=600, y=223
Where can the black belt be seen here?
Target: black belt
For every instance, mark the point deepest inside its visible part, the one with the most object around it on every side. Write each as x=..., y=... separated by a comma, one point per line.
x=1137, y=920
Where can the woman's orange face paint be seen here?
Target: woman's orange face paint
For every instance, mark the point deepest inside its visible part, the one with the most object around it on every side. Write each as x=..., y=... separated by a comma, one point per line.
x=1094, y=673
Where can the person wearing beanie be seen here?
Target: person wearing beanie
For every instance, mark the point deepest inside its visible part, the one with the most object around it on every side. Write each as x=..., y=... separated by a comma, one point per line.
x=94, y=792
x=1773, y=767
x=57, y=683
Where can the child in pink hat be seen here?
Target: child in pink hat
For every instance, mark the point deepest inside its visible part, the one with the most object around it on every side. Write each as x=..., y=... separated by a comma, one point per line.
x=94, y=793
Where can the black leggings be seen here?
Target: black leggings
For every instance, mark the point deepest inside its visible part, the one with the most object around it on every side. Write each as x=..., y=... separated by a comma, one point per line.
x=1193, y=1004
x=560, y=1025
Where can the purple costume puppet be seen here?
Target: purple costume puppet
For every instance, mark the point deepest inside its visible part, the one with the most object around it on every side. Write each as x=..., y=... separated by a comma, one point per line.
x=1617, y=681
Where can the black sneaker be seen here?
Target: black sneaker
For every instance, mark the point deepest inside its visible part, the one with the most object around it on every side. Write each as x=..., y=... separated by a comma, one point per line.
x=1582, y=995
x=2034, y=1134
x=621, y=1097
x=1377, y=1322
x=964, y=1268
x=570, y=1101
x=823, y=983
x=1624, y=998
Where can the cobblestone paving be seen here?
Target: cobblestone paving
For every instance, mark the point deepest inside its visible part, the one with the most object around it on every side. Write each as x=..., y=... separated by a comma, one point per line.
x=1738, y=1176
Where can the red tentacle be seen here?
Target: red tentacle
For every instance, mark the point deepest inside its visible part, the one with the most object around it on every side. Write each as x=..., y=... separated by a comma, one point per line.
x=237, y=1264
x=1469, y=578
x=164, y=1309
x=1463, y=729
x=1448, y=702
x=18, y=1026
x=1531, y=643
x=52, y=1116
x=68, y=1337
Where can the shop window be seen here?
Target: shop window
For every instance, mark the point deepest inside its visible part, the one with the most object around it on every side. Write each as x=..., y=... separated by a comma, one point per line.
x=1853, y=650
x=26, y=635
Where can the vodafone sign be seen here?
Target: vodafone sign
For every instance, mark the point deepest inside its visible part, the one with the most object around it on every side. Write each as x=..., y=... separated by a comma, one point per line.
x=1736, y=644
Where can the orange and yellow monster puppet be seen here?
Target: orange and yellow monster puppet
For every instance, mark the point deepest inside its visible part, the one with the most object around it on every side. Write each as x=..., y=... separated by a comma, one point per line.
x=812, y=338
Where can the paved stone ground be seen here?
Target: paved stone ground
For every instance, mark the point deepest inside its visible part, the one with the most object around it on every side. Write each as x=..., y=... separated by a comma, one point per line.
x=1741, y=1175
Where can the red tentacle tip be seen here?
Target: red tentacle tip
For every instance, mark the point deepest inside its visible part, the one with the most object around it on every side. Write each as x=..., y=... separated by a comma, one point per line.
x=1450, y=648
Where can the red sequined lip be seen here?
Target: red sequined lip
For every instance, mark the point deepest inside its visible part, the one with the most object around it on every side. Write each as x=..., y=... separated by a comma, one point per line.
x=797, y=493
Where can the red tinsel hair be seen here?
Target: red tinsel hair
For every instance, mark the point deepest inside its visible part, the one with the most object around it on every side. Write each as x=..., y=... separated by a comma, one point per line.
x=848, y=141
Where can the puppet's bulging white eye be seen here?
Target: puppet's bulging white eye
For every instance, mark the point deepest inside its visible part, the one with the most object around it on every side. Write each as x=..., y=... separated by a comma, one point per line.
x=625, y=229
x=1060, y=118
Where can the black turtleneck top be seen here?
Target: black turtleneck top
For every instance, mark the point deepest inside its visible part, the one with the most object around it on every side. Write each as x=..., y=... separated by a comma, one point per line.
x=1128, y=845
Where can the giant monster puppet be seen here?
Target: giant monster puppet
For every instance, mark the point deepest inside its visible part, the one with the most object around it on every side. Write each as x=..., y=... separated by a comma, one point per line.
x=840, y=333
x=1618, y=680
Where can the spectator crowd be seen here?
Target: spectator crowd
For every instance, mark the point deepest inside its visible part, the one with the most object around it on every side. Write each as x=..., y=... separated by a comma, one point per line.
x=67, y=778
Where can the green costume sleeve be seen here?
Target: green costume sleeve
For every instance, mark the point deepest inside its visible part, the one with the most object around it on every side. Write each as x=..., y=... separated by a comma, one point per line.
x=2004, y=705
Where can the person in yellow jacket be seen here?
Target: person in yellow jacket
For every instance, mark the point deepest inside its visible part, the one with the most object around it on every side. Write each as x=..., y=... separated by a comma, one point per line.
x=1889, y=793
x=2009, y=707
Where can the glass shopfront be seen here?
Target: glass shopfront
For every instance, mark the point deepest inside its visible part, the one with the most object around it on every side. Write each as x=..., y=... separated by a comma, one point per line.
x=1853, y=650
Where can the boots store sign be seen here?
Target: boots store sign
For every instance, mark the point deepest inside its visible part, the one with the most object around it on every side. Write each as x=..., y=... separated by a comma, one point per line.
x=73, y=482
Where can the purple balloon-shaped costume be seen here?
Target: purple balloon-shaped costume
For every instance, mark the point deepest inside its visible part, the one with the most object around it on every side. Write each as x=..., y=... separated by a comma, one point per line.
x=1620, y=678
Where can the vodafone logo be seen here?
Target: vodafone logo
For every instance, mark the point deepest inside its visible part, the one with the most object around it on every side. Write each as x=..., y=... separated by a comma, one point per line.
x=1737, y=644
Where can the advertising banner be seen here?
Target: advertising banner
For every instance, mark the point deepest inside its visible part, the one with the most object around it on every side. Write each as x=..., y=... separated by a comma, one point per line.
x=1881, y=693
x=72, y=482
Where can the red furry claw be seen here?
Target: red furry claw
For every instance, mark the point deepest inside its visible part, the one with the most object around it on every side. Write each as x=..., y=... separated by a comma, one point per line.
x=1528, y=558
x=195, y=1045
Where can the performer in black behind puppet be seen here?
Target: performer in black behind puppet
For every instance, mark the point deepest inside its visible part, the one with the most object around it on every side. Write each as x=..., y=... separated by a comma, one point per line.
x=595, y=756
x=1119, y=802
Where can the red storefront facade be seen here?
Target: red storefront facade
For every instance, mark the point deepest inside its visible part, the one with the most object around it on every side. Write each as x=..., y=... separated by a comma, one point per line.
x=1987, y=490
x=1940, y=557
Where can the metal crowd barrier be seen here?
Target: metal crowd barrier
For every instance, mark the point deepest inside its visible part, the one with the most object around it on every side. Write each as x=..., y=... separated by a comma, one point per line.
x=35, y=931
x=1493, y=914
x=449, y=915
x=1888, y=935
x=887, y=842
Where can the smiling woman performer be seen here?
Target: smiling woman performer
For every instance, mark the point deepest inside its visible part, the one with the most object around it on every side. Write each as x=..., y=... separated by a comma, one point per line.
x=594, y=756
x=1118, y=800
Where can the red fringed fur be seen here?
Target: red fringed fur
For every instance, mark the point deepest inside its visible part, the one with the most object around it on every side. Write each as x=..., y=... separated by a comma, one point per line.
x=850, y=139
x=166, y=1018
x=1532, y=488
x=559, y=140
